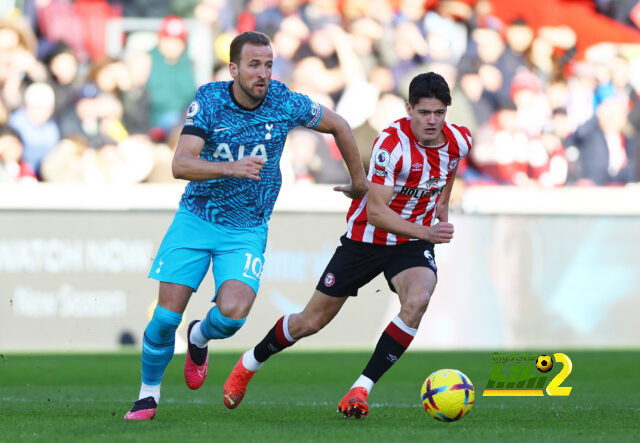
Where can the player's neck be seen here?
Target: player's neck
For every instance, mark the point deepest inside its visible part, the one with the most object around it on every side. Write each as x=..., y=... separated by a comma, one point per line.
x=437, y=143
x=241, y=99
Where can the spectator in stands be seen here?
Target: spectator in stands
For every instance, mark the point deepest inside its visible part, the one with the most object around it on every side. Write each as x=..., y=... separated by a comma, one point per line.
x=519, y=37
x=482, y=101
x=548, y=165
x=18, y=64
x=386, y=42
x=34, y=122
x=605, y=154
x=624, y=11
x=532, y=105
x=500, y=150
x=389, y=108
x=96, y=117
x=171, y=83
x=63, y=71
x=410, y=49
x=135, y=99
x=490, y=48
x=217, y=14
x=286, y=41
x=12, y=168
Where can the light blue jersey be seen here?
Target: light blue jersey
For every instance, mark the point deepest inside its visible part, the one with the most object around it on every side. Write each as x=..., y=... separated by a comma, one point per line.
x=232, y=132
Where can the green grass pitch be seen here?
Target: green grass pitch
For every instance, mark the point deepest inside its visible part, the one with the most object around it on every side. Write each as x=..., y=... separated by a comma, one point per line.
x=83, y=397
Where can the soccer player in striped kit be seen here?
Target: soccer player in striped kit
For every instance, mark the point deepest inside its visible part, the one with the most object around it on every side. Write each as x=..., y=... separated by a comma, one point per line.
x=391, y=230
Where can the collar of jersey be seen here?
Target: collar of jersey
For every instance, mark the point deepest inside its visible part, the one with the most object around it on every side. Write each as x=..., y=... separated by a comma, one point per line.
x=244, y=108
x=420, y=145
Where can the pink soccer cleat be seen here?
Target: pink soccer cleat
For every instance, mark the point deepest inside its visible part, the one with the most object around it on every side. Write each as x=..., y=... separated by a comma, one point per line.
x=197, y=362
x=236, y=385
x=143, y=409
x=354, y=404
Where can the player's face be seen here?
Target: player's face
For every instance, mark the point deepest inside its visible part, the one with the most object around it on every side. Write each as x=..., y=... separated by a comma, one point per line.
x=253, y=73
x=427, y=119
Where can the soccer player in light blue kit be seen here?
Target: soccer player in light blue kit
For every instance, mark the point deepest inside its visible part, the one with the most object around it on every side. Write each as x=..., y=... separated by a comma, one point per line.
x=230, y=150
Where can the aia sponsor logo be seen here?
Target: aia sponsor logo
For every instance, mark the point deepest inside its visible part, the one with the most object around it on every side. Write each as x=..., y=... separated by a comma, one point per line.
x=329, y=280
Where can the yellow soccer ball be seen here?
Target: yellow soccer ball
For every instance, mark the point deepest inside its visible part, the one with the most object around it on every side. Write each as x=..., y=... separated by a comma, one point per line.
x=544, y=363
x=447, y=395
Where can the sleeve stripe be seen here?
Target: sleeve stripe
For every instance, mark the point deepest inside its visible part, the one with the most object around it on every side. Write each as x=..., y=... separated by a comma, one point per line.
x=194, y=130
x=316, y=112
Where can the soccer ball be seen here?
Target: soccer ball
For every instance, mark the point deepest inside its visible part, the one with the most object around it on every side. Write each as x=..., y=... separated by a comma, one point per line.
x=544, y=363
x=447, y=395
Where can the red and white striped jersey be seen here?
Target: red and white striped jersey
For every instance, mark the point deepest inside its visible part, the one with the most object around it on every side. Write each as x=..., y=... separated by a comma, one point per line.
x=418, y=174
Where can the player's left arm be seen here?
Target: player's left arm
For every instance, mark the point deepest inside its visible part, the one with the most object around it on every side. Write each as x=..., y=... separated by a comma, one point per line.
x=442, y=210
x=334, y=124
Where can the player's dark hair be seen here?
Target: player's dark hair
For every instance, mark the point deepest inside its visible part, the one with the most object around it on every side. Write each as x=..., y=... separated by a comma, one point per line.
x=251, y=37
x=429, y=85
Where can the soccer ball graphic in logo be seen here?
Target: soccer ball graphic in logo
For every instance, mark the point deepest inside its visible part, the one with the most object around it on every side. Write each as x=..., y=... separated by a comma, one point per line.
x=447, y=395
x=544, y=363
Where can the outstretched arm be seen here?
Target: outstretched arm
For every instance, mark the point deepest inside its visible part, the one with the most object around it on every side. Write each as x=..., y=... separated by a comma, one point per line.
x=337, y=126
x=188, y=165
x=382, y=216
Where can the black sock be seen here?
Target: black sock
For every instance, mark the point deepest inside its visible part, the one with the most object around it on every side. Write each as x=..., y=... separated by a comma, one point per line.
x=274, y=342
x=392, y=344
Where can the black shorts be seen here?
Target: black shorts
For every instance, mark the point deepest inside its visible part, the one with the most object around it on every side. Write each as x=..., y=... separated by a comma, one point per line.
x=355, y=263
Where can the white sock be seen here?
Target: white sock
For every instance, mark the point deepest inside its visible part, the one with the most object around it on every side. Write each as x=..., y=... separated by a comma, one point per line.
x=150, y=391
x=249, y=361
x=363, y=382
x=196, y=336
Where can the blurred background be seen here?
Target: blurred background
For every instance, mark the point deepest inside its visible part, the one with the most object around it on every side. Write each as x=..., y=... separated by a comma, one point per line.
x=546, y=207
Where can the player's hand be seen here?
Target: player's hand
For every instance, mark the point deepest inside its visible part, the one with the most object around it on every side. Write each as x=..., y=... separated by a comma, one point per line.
x=247, y=167
x=441, y=232
x=353, y=190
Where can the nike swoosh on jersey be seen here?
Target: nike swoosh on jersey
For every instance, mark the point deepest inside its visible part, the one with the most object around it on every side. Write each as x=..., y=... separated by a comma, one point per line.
x=221, y=129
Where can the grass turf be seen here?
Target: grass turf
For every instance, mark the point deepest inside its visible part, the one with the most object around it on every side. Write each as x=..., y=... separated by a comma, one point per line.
x=83, y=397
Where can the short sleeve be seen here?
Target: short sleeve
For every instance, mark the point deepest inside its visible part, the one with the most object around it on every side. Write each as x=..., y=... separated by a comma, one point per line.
x=304, y=111
x=198, y=118
x=463, y=139
x=384, y=159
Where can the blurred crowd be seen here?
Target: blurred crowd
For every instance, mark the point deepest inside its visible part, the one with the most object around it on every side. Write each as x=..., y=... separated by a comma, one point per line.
x=541, y=113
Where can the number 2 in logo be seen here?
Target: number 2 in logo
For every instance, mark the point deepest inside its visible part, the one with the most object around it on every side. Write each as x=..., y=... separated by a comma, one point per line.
x=554, y=388
x=252, y=265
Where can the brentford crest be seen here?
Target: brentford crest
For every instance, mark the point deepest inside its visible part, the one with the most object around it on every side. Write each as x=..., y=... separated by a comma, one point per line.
x=329, y=280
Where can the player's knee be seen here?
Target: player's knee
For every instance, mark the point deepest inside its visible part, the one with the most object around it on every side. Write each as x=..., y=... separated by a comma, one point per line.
x=216, y=325
x=417, y=301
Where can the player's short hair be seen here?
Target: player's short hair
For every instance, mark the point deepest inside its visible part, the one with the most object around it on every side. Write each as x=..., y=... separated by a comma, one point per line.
x=251, y=37
x=429, y=85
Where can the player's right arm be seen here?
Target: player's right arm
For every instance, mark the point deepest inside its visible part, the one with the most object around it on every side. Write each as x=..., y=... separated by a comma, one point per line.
x=382, y=216
x=188, y=165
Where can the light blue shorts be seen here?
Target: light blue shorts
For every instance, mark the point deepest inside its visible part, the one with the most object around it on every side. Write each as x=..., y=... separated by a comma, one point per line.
x=191, y=244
